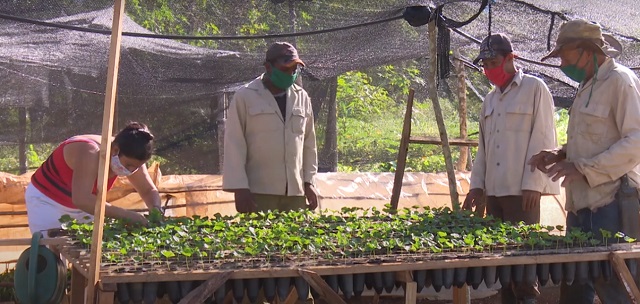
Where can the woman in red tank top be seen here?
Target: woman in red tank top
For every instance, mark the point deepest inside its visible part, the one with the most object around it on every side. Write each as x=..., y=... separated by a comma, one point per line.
x=66, y=181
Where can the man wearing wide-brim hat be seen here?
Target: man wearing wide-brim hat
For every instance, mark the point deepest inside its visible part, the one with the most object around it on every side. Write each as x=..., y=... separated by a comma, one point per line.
x=599, y=163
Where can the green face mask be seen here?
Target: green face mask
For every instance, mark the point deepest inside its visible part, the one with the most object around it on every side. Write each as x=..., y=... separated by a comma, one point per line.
x=574, y=72
x=281, y=79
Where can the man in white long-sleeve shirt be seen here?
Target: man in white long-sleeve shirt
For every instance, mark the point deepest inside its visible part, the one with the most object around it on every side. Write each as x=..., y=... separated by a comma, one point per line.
x=515, y=123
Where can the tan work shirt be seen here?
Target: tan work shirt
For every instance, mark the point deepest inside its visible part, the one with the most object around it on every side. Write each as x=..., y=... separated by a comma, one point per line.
x=604, y=136
x=514, y=125
x=264, y=152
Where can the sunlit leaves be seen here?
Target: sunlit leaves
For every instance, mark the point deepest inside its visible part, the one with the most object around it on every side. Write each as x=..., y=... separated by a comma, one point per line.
x=351, y=233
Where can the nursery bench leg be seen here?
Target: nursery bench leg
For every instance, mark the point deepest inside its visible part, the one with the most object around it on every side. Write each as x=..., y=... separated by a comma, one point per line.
x=625, y=277
x=106, y=293
x=78, y=284
x=461, y=295
x=411, y=293
x=376, y=299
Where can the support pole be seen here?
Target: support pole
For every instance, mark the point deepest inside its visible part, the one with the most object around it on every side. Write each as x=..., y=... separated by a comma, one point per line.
x=105, y=149
x=401, y=161
x=461, y=295
x=22, y=140
x=462, y=111
x=432, y=82
x=221, y=119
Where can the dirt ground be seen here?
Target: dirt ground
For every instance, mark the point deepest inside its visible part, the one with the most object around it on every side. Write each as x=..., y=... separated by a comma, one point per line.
x=548, y=295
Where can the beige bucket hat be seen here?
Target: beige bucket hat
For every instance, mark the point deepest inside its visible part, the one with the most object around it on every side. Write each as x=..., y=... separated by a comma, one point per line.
x=588, y=34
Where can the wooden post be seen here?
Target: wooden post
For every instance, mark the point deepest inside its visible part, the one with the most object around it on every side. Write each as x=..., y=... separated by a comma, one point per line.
x=106, y=293
x=432, y=81
x=402, y=153
x=78, y=284
x=411, y=293
x=331, y=136
x=293, y=21
x=105, y=149
x=461, y=295
x=22, y=140
x=221, y=118
x=462, y=111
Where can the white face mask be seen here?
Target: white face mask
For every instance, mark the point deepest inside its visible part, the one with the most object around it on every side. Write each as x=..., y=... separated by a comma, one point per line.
x=118, y=168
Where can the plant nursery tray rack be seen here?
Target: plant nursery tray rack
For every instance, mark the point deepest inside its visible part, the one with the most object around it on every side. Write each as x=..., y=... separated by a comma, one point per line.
x=411, y=272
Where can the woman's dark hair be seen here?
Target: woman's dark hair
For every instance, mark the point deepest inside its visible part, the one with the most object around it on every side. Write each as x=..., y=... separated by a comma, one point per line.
x=135, y=141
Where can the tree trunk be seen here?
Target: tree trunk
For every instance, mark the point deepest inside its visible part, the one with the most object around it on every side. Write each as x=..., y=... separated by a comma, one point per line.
x=328, y=161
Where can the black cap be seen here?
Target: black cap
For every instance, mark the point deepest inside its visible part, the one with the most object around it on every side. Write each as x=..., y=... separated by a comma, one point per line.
x=500, y=44
x=283, y=52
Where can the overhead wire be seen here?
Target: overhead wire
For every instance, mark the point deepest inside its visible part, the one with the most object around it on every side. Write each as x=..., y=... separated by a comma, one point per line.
x=194, y=37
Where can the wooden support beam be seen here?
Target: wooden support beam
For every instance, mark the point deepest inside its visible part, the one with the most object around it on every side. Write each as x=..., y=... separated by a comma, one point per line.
x=27, y=242
x=411, y=293
x=105, y=149
x=376, y=298
x=438, y=141
x=319, y=285
x=22, y=140
x=106, y=293
x=202, y=292
x=432, y=82
x=541, y=257
x=461, y=295
x=78, y=285
x=462, y=111
x=622, y=271
x=402, y=152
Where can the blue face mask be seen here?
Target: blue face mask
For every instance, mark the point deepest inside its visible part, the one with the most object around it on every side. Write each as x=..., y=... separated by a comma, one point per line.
x=281, y=79
x=574, y=72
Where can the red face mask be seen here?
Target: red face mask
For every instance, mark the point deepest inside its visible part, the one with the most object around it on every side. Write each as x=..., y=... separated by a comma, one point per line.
x=497, y=75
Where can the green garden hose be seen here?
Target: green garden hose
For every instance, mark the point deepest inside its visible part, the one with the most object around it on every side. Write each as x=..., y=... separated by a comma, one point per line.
x=40, y=276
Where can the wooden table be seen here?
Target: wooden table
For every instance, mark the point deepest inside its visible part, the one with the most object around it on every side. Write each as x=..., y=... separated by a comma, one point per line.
x=215, y=278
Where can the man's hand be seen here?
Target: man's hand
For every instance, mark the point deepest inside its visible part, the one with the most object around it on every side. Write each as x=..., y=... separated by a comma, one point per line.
x=136, y=217
x=567, y=170
x=530, y=200
x=544, y=159
x=312, y=195
x=473, y=199
x=244, y=201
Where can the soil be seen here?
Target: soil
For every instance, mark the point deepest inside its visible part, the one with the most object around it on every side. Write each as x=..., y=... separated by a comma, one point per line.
x=548, y=295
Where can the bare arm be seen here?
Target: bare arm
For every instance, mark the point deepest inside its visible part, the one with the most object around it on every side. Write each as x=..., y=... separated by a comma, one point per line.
x=141, y=181
x=83, y=159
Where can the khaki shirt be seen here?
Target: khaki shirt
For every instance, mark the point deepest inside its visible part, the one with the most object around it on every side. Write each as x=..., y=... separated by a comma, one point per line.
x=263, y=152
x=514, y=125
x=604, y=136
